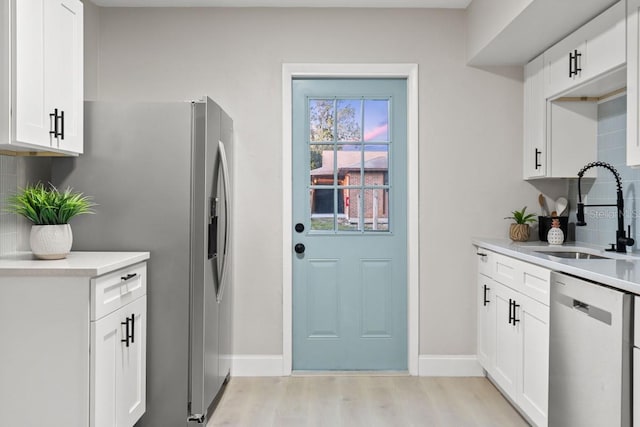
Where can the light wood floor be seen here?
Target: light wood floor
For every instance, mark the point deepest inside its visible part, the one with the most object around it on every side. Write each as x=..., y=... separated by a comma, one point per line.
x=371, y=401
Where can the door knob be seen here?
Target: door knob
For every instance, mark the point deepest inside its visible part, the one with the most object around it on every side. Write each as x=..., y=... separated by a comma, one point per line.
x=299, y=248
x=299, y=227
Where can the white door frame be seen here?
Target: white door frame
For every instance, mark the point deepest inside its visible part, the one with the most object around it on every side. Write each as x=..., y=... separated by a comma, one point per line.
x=410, y=72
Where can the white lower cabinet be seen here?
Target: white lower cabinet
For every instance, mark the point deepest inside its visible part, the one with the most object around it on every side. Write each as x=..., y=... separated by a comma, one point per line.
x=513, y=331
x=74, y=343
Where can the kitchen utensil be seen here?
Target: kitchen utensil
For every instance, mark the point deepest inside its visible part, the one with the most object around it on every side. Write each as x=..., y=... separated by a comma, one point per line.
x=543, y=204
x=561, y=205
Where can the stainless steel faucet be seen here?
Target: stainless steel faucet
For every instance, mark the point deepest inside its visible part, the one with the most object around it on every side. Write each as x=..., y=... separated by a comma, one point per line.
x=622, y=240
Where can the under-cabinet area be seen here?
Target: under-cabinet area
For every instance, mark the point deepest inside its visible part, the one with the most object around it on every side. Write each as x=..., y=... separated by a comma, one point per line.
x=555, y=330
x=75, y=339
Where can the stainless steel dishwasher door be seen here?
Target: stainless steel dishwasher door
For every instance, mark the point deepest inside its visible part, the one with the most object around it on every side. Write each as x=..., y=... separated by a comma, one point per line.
x=589, y=354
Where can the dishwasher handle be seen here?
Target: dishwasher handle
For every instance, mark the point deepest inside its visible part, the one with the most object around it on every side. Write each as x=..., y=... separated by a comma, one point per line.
x=590, y=310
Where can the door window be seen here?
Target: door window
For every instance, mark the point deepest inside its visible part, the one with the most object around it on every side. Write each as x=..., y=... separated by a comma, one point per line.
x=349, y=143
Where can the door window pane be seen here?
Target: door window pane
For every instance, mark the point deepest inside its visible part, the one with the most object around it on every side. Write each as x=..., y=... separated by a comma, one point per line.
x=350, y=221
x=376, y=204
x=376, y=120
x=376, y=164
x=321, y=164
x=321, y=120
x=349, y=120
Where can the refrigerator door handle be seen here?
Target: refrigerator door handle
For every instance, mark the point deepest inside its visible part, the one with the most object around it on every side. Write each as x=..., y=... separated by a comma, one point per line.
x=225, y=184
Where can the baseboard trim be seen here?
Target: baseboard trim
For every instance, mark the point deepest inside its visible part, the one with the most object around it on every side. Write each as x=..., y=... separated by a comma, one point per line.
x=257, y=365
x=271, y=365
x=449, y=366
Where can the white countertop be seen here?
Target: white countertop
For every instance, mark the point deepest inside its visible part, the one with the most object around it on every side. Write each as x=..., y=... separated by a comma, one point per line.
x=622, y=272
x=75, y=264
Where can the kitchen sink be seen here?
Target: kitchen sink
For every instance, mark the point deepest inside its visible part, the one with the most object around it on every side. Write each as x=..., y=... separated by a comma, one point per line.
x=573, y=254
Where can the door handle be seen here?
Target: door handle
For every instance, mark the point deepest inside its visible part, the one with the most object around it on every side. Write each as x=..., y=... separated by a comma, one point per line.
x=299, y=248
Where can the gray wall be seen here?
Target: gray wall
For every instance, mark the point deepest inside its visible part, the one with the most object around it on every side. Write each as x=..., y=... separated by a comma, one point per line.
x=470, y=135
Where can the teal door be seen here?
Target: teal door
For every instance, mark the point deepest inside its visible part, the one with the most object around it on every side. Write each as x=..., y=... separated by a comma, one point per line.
x=349, y=214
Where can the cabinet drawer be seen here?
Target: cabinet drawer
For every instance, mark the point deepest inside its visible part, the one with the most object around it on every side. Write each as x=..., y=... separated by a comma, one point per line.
x=505, y=270
x=528, y=279
x=536, y=282
x=113, y=290
x=485, y=260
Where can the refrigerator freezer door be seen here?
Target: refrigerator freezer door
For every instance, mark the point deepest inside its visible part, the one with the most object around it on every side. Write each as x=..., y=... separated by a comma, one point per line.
x=205, y=378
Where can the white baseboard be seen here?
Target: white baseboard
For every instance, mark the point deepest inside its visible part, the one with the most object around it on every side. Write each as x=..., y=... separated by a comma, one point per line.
x=449, y=366
x=271, y=365
x=257, y=365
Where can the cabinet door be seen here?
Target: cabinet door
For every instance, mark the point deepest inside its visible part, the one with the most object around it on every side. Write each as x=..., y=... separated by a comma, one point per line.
x=49, y=74
x=118, y=371
x=131, y=404
x=31, y=109
x=533, y=380
x=605, y=47
x=64, y=71
x=534, y=150
x=633, y=82
x=562, y=71
x=507, y=341
x=486, y=323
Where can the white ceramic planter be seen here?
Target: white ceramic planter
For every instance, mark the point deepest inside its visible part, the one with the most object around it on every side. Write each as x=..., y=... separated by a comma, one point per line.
x=51, y=241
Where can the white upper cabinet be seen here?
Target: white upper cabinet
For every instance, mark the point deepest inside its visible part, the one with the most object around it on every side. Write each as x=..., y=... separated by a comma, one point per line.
x=591, y=51
x=42, y=59
x=633, y=80
x=535, y=139
x=559, y=136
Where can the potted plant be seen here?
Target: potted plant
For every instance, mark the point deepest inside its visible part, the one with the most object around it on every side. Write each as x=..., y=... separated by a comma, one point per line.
x=50, y=211
x=520, y=230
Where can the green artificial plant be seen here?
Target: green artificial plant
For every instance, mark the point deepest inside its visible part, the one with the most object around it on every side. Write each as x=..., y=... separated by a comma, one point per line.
x=48, y=206
x=521, y=217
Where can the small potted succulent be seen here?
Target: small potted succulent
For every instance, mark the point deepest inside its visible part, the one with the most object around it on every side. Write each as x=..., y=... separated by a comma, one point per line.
x=520, y=230
x=50, y=211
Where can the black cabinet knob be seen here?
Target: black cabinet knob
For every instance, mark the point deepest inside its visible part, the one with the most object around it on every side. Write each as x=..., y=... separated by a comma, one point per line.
x=299, y=248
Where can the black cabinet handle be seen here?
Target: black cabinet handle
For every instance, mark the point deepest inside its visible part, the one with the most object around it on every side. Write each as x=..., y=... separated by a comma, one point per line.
x=485, y=300
x=481, y=254
x=129, y=330
x=128, y=276
x=510, y=308
x=55, y=119
x=537, y=159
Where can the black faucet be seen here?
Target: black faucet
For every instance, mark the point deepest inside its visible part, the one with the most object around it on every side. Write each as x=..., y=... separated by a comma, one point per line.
x=622, y=240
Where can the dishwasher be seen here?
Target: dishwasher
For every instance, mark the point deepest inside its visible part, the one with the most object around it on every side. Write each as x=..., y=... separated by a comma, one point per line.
x=590, y=354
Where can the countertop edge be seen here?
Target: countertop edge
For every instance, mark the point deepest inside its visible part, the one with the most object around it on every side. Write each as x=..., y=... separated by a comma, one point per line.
x=520, y=251
x=77, y=264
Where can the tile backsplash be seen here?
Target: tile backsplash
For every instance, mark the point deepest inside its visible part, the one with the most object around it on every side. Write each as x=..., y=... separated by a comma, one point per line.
x=16, y=172
x=602, y=221
x=8, y=221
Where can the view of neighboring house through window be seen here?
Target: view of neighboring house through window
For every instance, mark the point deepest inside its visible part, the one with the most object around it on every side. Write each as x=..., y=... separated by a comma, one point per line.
x=349, y=164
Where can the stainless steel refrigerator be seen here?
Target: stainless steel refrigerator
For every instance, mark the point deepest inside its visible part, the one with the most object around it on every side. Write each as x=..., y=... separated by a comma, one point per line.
x=160, y=175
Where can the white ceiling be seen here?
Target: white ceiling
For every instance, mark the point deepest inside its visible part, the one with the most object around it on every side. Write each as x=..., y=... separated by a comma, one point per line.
x=453, y=4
